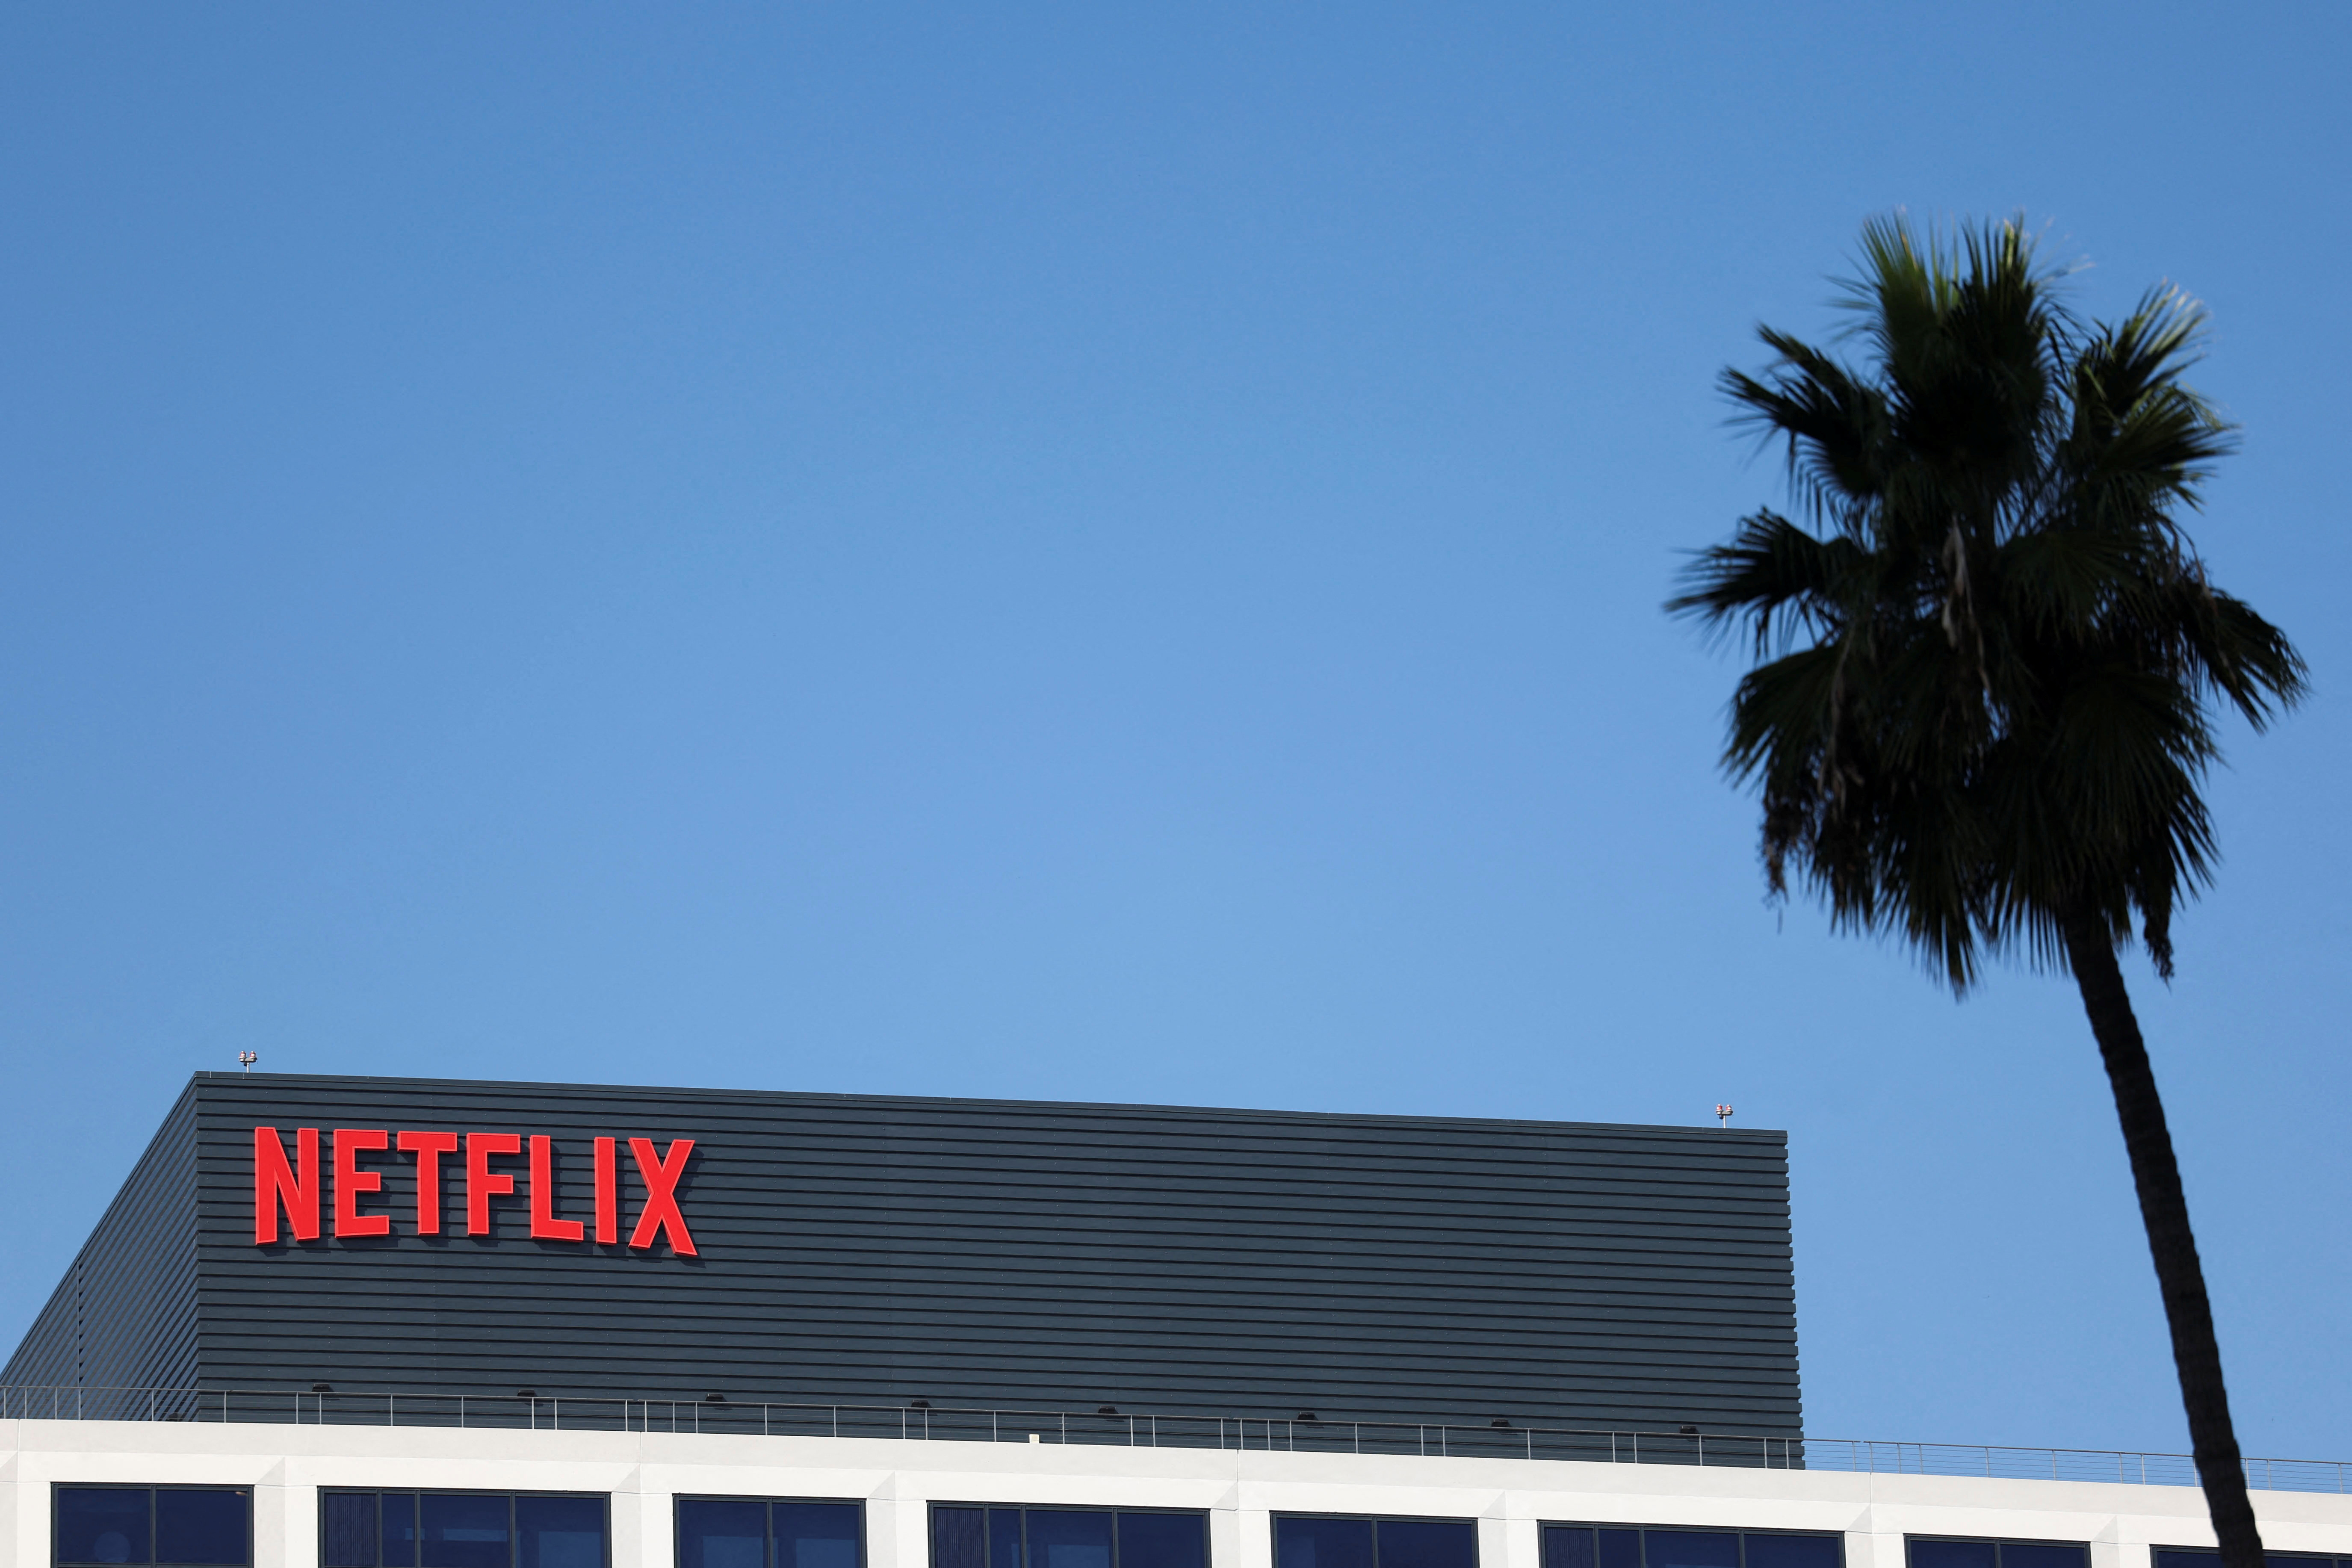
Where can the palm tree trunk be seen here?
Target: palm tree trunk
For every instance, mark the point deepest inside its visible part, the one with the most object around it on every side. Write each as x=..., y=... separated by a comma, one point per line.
x=2091, y=952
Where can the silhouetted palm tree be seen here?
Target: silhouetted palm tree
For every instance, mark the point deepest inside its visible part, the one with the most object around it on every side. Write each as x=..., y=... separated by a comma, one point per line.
x=1986, y=677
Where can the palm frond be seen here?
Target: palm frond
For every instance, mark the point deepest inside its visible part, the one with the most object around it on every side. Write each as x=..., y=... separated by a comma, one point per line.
x=1773, y=574
x=1984, y=692
x=1830, y=422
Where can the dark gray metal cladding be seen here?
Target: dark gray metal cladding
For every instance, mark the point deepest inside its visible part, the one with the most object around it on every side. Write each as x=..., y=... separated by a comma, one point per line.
x=863, y=1249
x=125, y=1314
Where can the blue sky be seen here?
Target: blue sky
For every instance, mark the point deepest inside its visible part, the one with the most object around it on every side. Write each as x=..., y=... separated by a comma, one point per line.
x=1111, y=554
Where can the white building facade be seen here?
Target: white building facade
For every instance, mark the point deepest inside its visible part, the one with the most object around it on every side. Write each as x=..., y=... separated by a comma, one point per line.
x=639, y=1484
x=372, y=1322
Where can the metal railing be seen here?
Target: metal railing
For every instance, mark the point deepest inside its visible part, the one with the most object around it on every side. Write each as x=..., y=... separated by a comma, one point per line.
x=2061, y=1465
x=532, y=1412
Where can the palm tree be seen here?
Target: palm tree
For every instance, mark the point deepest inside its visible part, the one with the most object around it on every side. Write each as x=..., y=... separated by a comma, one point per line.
x=1987, y=677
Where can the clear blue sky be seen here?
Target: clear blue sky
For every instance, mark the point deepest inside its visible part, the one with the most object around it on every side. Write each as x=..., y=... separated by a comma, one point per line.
x=1111, y=555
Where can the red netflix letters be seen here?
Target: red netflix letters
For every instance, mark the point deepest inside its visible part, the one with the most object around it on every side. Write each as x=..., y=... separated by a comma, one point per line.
x=660, y=1212
x=296, y=1187
x=428, y=1148
x=350, y=1182
x=481, y=1186
x=543, y=1222
x=274, y=1180
x=608, y=1195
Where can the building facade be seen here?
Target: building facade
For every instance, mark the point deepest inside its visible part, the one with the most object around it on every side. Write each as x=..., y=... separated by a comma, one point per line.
x=428, y=1237
x=310, y=1496
x=397, y=1323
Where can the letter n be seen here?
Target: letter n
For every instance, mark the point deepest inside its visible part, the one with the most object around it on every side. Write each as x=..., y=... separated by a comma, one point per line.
x=274, y=1180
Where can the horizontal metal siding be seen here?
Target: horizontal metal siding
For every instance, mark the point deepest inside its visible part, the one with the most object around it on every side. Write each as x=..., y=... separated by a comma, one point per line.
x=873, y=1250
x=125, y=1314
x=50, y=1353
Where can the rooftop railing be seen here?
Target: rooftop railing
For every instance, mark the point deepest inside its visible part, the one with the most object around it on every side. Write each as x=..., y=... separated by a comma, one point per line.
x=527, y=1411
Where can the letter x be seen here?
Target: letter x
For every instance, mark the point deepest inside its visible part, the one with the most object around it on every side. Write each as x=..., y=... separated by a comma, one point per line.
x=660, y=1213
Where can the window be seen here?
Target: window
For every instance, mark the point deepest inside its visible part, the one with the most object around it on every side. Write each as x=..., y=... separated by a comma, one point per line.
x=1335, y=1540
x=1610, y=1546
x=762, y=1532
x=461, y=1529
x=210, y=1525
x=1065, y=1538
x=1927, y=1551
x=2206, y=1557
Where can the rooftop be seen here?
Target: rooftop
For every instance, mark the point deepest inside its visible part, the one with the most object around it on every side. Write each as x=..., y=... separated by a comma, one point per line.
x=526, y=1410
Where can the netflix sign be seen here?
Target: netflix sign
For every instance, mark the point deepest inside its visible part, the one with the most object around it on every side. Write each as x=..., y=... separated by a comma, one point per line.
x=291, y=1188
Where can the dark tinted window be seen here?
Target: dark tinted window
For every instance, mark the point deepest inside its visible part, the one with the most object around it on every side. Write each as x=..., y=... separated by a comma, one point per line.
x=1003, y=1538
x=398, y=1512
x=1163, y=1540
x=1689, y=1549
x=745, y=1532
x=2202, y=1557
x=347, y=1534
x=1067, y=1539
x=959, y=1538
x=1308, y=1543
x=1927, y=1553
x=1331, y=1540
x=1592, y=1546
x=1954, y=1554
x=1428, y=1543
x=1792, y=1551
x=559, y=1533
x=712, y=1535
x=816, y=1535
x=464, y=1529
x=103, y=1524
x=461, y=1529
x=202, y=1527
x=963, y=1537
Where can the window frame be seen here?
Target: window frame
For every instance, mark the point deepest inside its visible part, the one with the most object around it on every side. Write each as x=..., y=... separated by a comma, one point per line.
x=1996, y=1541
x=678, y=1500
x=514, y=1538
x=930, y=1532
x=1837, y=1536
x=56, y=1502
x=1275, y=1517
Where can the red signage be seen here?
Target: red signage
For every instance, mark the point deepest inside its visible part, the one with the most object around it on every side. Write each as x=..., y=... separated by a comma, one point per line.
x=294, y=1185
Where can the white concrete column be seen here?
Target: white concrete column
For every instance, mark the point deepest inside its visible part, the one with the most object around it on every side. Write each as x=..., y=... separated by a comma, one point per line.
x=285, y=1522
x=1868, y=1548
x=640, y=1523
x=1252, y=1539
x=1505, y=1542
x=24, y=1522
x=897, y=1529
x=1225, y=1534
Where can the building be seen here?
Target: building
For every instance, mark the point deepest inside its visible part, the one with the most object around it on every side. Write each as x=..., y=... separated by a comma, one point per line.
x=398, y=1323
x=433, y=1238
